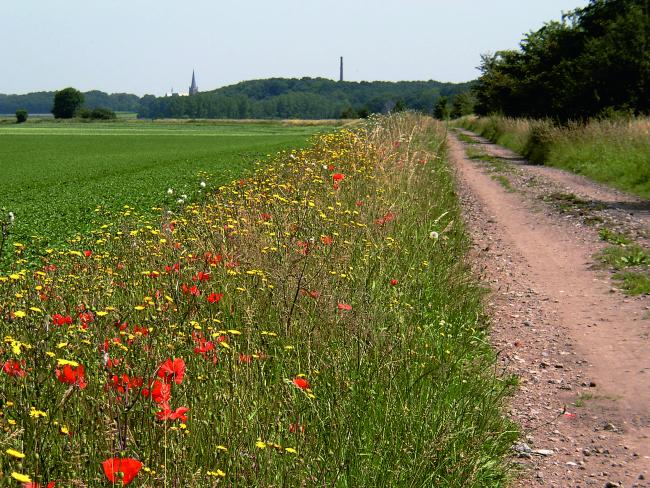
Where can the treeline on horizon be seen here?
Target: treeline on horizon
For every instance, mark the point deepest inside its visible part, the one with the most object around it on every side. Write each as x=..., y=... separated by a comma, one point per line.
x=42, y=102
x=595, y=62
x=305, y=98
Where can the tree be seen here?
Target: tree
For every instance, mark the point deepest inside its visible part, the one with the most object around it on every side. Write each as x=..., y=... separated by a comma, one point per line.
x=463, y=104
x=21, y=116
x=67, y=102
x=593, y=62
x=441, y=110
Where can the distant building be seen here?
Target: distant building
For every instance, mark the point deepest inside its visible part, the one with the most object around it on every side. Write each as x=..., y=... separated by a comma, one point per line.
x=193, y=88
x=176, y=94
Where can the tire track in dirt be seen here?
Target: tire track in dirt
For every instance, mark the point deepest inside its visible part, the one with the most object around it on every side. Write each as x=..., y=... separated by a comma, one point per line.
x=571, y=340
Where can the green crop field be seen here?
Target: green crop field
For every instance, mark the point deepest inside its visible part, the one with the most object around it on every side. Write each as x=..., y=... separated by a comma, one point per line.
x=59, y=179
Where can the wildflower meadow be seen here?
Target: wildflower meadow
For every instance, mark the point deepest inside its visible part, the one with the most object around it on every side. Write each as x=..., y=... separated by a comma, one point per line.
x=314, y=323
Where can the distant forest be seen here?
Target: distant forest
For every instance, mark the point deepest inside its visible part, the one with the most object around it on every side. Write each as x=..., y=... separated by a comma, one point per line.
x=306, y=98
x=595, y=62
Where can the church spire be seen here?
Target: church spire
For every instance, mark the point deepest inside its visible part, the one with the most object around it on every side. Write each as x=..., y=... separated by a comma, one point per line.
x=193, y=88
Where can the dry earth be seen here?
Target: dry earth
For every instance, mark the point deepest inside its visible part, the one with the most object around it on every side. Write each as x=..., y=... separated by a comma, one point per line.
x=580, y=348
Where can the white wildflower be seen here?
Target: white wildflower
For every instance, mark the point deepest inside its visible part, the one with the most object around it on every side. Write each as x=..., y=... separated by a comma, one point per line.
x=433, y=235
x=170, y=191
x=12, y=217
x=202, y=184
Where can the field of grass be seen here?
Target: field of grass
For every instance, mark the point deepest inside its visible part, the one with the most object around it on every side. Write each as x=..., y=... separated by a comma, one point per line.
x=314, y=324
x=60, y=178
x=611, y=152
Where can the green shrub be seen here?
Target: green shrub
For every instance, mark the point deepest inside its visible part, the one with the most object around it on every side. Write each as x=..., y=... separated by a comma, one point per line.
x=101, y=113
x=83, y=113
x=21, y=116
x=539, y=142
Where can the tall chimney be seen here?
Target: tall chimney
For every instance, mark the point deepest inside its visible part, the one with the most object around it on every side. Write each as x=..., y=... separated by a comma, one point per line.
x=341, y=77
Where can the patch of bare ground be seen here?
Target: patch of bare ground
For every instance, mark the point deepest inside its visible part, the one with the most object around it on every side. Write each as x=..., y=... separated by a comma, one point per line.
x=580, y=349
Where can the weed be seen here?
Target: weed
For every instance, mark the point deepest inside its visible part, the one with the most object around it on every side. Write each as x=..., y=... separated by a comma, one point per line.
x=582, y=398
x=608, y=235
x=620, y=257
x=634, y=283
x=504, y=182
x=569, y=202
x=466, y=138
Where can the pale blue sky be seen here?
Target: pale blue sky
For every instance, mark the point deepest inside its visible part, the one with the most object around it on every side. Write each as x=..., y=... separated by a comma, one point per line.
x=148, y=46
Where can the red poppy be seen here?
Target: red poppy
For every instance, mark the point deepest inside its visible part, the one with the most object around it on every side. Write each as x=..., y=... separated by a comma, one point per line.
x=124, y=469
x=14, y=368
x=359, y=203
x=338, y=177
x=168, y=414
x=212, y=258
x=265, y=216
x=172, y=370
x=60, y=320
x=215, y=297
x=160, y=392
x=201, y=276
x=303, y=247
x=124, y=383
x=393, y=282
x=301, y=383
x=204, y=347
x=33, y=484
x=388, y=217
x=314, y=293
x=191, y=290
x=86, y=318
x=175, y=267
x=327, y=240
x=140, y=330
x=345, y=306
x=72, y=376
x=88, y=253
x=330, y=167
x=245, y=358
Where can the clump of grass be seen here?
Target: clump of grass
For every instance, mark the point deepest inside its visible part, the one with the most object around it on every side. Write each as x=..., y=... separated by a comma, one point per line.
x=314, y=323
x=465, y=138
x=582, y=399
x=504, y=181
x=620, y=257
x=608, y=235
x=569, y=202
x=634, y=283
x=496, y=163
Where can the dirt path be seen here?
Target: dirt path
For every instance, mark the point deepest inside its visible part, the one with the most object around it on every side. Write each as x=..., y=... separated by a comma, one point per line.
x=581, y=351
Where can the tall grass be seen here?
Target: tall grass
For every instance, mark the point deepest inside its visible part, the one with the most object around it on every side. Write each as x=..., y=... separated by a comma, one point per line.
x=615, y=152
x=329, y=331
